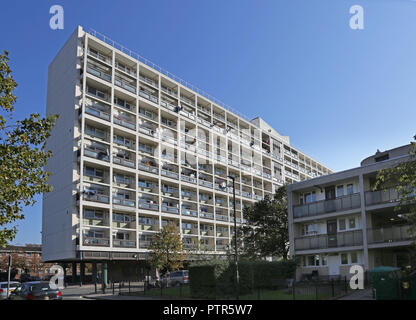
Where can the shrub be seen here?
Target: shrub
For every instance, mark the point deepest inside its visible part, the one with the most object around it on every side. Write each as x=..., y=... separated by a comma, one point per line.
x=216, y=278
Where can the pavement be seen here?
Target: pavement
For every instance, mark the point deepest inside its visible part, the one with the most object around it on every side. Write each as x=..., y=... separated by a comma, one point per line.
x=364, y=294
x=87, y=292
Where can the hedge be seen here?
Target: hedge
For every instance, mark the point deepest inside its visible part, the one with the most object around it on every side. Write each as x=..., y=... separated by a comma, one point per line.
x=216, y=278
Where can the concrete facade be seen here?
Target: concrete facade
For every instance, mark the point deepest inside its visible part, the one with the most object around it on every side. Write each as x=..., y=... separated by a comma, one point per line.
x=136, y=148
x=338, y=220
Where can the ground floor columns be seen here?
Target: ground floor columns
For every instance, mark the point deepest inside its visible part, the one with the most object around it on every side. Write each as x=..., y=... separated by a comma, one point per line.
x=74, y=272
x=104, y=272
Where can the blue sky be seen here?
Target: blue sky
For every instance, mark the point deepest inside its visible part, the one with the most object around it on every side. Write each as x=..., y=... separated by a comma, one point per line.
x=340, y=94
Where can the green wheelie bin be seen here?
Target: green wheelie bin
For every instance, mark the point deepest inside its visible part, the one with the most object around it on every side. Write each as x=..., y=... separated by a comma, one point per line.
x=386, y=283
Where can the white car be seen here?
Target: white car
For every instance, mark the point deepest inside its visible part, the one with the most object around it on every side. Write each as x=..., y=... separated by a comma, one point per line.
x=3, y=288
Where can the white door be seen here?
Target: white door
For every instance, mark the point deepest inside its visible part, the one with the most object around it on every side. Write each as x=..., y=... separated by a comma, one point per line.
x=333, y=265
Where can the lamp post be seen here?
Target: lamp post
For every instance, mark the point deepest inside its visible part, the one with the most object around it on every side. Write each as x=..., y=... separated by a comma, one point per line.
x=237, y=276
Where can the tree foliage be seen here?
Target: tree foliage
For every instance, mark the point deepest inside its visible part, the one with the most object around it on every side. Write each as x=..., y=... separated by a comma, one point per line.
x=22, y=156
x=402, y=177
x=266, y=232
x=167, y=250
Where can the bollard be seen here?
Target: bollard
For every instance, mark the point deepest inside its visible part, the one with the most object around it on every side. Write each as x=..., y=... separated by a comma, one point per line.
x=332, y=287
x=293, y=290
x=113, y=287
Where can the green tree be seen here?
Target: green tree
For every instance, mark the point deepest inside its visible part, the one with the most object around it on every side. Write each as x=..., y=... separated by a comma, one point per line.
x=266, y=232
x=167, y=250
x=402, y=177
x=22, y=156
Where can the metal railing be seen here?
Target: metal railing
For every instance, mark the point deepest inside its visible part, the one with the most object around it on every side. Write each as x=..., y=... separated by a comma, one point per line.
x=96, y=242
x=381, y=196
x=324, y=241
x=389, y=234
x=123, y=162
x=149, y=63
x=347, y=202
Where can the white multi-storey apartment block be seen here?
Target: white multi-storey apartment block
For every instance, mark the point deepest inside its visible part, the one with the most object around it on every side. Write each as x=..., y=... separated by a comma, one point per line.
x=338, y=220
x=136, y=148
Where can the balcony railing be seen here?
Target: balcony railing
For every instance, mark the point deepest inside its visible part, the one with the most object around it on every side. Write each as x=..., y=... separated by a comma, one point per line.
x=97, y=198
x=96, y=154
x=125, y=123
x=98, y=72
x=97, y=112
x=99, y=56
x=148, y=96
x=144, y=244
x=206, y=215
x=188, y=179
x=124, y=84
x=170, y=174
x=378, y=197
x=124, y=162
x=341, y=239
x=389, y=234
x=221, y=217
x=170, y=209
x=99, y=242
x=348, y=202
x=147, y=168
x=124, y=243
x=189, y=212
x=124, y=202
x=149, y=206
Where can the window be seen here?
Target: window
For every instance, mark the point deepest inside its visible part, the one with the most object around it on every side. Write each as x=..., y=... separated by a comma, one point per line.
x=324, y=260
x=350, y=188
x=344, y=258
x=341, y=224
x=311, y=228
x=310, y=197
x=340, y=191
x=354, y=258
x=351, y=222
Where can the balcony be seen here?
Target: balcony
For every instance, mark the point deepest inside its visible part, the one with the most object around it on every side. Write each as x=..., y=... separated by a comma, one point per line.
x=97, y=242
x=123, y=162
x=98, y=72
x=144, y=244
x=96, y=197
x=221, y=217
x=341, y=239
x=98, y=55
x=147, y=95
x=129, y=86
x=379, y=197
x=189, y=212
x=148, y=168
x=206, y=215
x=339, y=204
x=124, y=202
x=170, y=174
x=96, y=153
x=94, y=111
x=125, y=122
x=389, y=234
x=124, y=243
x=148, y=205
x=188, y=179
x=170, y=209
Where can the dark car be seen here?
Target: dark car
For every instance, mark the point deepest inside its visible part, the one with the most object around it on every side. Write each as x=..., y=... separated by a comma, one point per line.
x=36, y=290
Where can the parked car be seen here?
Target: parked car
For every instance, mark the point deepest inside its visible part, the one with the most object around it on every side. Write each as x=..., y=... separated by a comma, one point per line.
x=175, y=278
x=3, y=288
x=35, y=290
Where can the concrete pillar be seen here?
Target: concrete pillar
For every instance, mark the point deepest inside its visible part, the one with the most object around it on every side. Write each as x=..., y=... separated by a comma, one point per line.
x=82, y=273
x=364, y=223
x=94, y=272
x=74, y=272
x=104, y=273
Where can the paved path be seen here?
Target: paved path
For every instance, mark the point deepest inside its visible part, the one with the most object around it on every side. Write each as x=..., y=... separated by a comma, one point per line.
x=365, y=294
